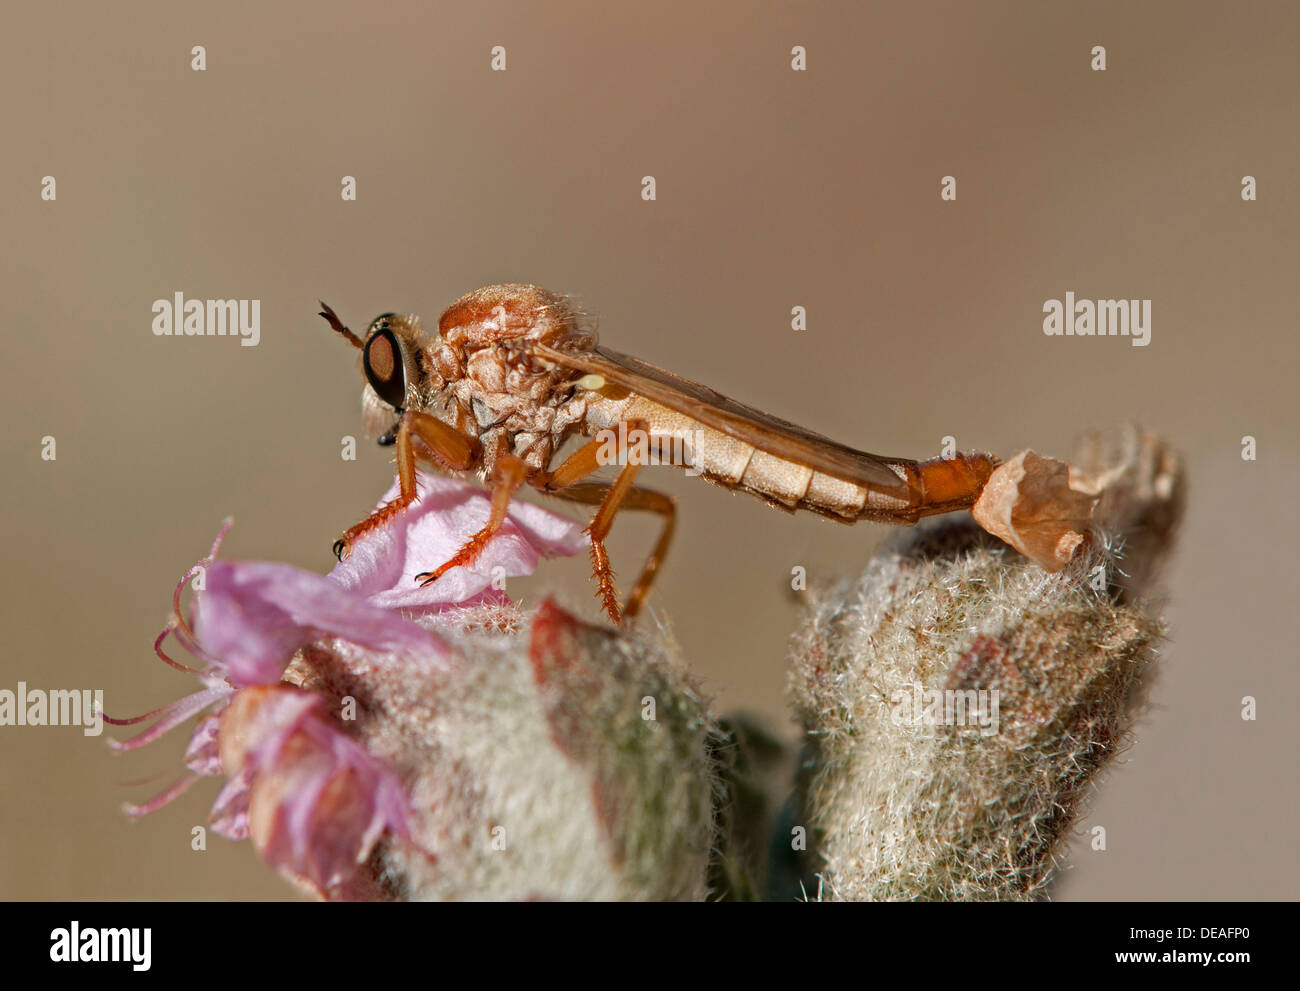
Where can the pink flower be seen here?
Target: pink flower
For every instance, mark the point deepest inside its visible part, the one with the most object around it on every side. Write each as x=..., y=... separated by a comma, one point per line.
x=255, y=615
x=312, y=799
x=383, y=564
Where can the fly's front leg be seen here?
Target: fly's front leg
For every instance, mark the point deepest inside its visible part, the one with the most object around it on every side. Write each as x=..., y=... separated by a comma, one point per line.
x=446, y=445
x=508, y=474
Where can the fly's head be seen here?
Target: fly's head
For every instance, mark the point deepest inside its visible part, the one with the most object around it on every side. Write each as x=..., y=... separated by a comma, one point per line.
x=391, y=364
x=395, y=381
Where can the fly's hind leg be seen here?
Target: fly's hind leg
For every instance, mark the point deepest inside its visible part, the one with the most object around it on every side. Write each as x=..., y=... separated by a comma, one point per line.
x=446, y=446
x=565, y=483
x=599, y=493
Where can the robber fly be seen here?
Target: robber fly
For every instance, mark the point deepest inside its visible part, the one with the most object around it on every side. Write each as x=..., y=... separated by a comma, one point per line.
x=514, y=371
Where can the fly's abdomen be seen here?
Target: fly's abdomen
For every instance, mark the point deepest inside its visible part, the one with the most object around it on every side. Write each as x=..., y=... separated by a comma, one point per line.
x=943, y=485
x=937, y=486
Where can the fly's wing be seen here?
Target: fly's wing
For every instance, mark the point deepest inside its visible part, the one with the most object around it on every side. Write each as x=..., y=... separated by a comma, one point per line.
x=766, y=432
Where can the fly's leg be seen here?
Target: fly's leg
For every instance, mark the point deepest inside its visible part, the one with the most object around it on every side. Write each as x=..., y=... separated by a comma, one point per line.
x=445, y=444
x=564, y=482
x=508, y=474
x=597, y=493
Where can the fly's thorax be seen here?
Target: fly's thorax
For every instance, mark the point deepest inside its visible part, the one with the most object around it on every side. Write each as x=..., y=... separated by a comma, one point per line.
x=519, y=314
x=482, y=371
x=479, y=364
x=500, y=385
x=504, y=400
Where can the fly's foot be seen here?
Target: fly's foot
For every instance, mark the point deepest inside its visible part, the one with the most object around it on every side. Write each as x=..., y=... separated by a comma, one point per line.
x=384, y=515
x=466, y=556
x=426, y=578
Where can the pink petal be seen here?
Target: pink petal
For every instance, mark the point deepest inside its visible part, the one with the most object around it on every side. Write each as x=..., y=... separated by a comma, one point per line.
x=165, y=797
x=320, y=801
x=229, y=815
x=254, y=615
x=202, y=755
x=383, y=563
x=172, y=716
x=257, y=720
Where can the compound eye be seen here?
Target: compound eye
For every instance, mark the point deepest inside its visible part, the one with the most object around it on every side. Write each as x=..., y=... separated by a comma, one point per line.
x=384, y=365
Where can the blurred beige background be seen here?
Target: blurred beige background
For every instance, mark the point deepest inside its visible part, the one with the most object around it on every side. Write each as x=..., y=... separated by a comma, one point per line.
x=775, y=189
